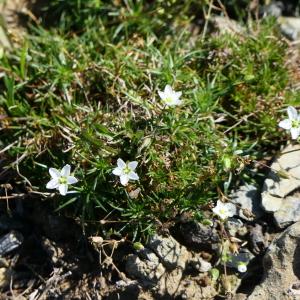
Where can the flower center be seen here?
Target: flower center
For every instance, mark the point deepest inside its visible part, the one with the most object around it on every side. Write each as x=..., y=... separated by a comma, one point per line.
x=295, y=123
x=223, y=211
x=169, y=100
x=62, y=180
x=127, y=170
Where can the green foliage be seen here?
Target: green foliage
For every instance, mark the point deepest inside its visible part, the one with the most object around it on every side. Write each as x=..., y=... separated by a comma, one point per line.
x=85, y=93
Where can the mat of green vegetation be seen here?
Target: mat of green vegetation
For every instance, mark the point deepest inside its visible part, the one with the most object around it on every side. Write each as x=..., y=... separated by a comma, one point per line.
x=83, y=91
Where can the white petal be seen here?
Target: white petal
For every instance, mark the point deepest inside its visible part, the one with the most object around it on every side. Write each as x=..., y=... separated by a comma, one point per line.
x=177, y=102
x=295, y=132
x=223, y=216
x=132, y=165
x=285, y=124
x=117, y=171
x=63, y=189
x=161, y=95
x=54, y=173
x=52, y=184
x=292, y=112
x=133, y=176
x=71, y=180
x=124, y=179
x=120, y=163
x=178, y=95
x=168, y=90
x=216, y=210
x=65, y=171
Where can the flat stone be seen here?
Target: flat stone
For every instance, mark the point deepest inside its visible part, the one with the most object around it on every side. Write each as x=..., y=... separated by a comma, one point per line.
x=281, y=266
x=279, y=194
x=149, y=271
x=290, y=27
x=169, y=251
x=248, y=198
x=282, y=181
x=289, y=211
x=284, y=177
x=271, y=203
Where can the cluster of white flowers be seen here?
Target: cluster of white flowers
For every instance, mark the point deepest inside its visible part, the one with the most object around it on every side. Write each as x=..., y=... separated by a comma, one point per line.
x=61, y=180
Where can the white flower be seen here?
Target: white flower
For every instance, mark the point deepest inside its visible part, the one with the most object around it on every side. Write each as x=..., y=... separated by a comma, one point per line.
x=126, y=171
x=242, y=267
x=61, y=179
x=224, y=210
x=169, y=96
x=292, y=123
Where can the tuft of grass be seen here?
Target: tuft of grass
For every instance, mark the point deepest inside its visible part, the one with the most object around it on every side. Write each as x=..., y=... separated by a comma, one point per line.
x=84, y=92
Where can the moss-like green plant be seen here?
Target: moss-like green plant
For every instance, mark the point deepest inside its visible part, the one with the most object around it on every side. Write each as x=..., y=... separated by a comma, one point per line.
x=85, y=93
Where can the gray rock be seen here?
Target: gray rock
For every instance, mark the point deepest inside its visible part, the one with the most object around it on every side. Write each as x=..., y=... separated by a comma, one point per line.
x=199, y=264
x=278, y=191
x=163, y=268
x=271, y=203
x=149, y=271
x=274, y=9
x=235, y=227
x=281, y=266
x=248, y=201
x=290, y=27
x=199, y=237
x=284, y=177
x=170, y=252
x=10, y=242
x=258, y=240
x=147, y=254
x=289, y=211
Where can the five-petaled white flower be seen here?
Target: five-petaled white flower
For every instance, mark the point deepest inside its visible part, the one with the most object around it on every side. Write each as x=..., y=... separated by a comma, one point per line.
x=224, y=210
x=61, y=179
x=169, y=96
x=292, y=123
x=126, y=171
x=242, y=267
